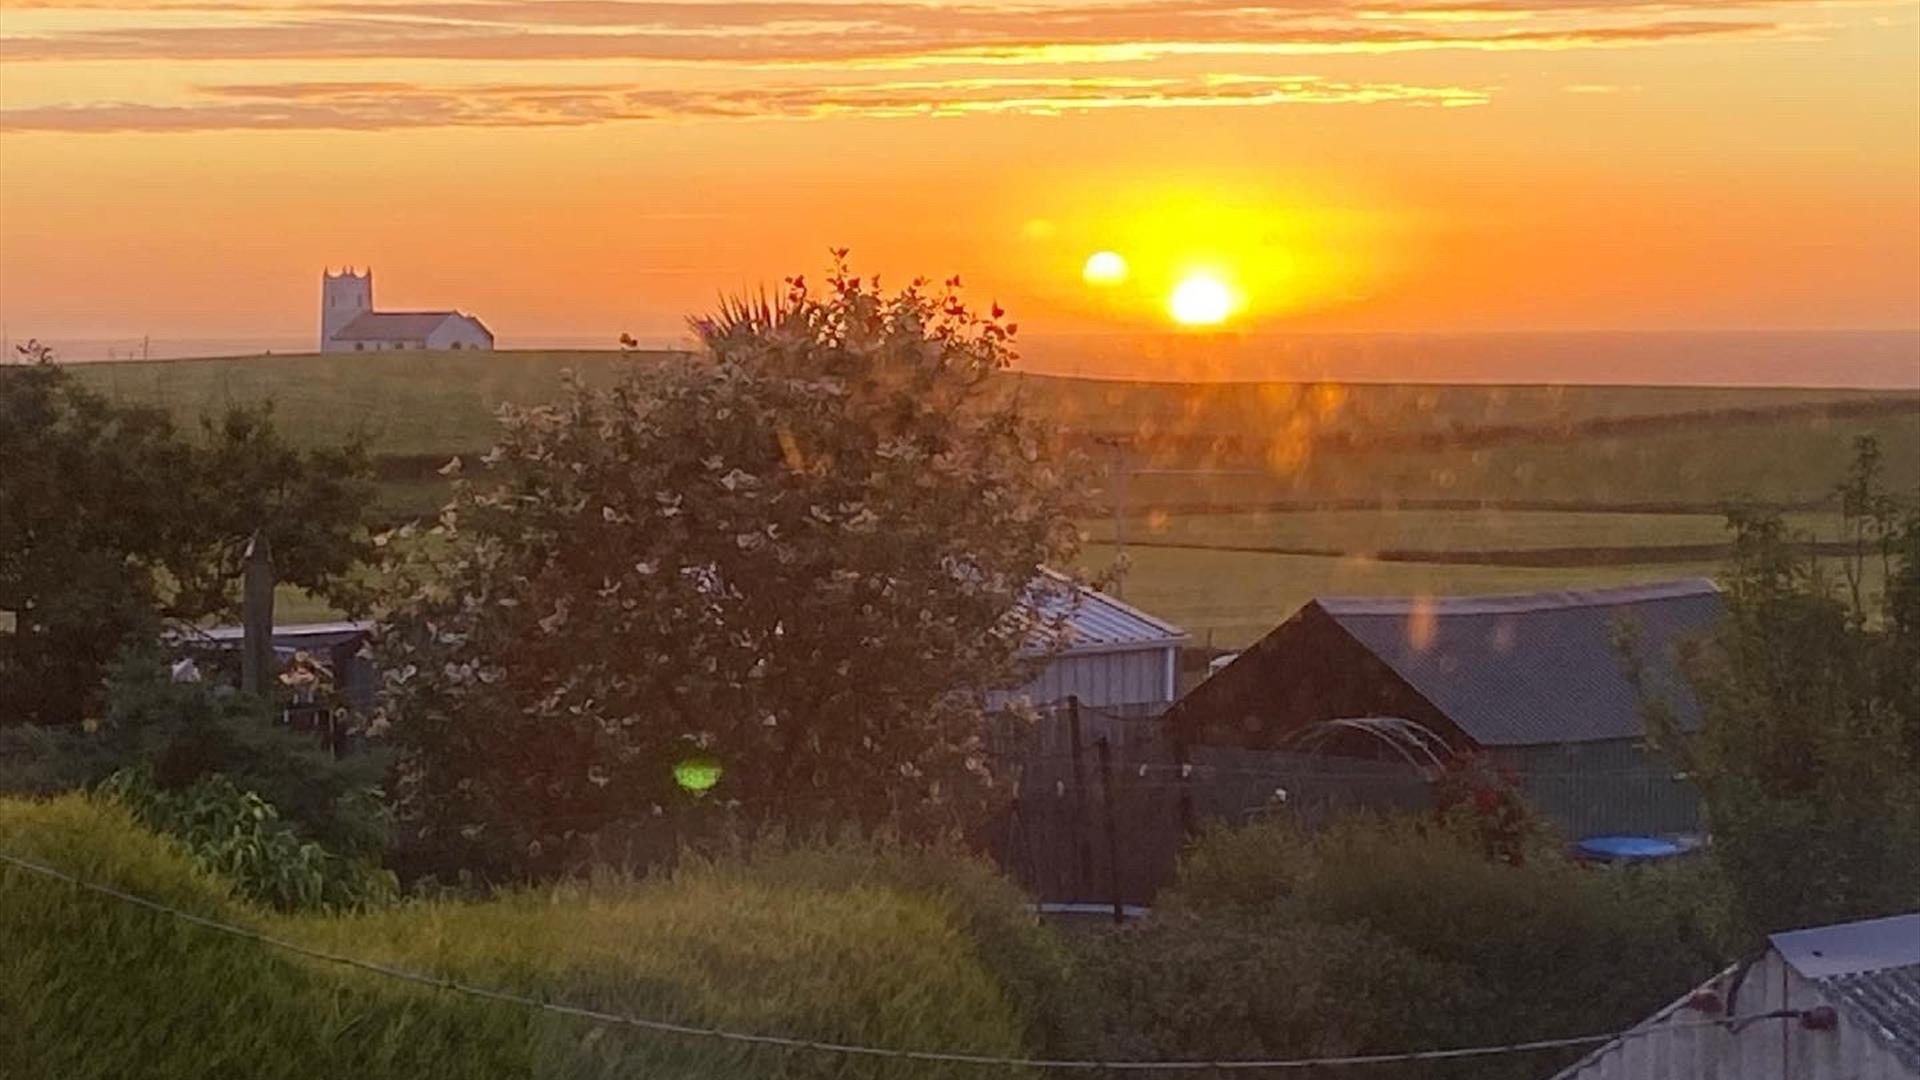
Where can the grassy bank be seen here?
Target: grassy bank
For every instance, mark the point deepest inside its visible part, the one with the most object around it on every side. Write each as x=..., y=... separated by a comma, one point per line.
x=89, y=985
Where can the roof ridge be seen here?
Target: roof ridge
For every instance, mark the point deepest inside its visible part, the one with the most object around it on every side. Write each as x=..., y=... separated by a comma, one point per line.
x=1519, y=603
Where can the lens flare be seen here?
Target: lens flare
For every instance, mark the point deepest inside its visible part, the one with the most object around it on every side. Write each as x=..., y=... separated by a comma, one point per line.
x=1104, y=268
x=697, y=776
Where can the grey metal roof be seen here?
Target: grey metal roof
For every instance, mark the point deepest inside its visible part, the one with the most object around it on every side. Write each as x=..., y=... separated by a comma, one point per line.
x=1096, y=622
x=291, y=635
x=1886, y=1004
x=1539, y=667
x=1870, y=970
x=1851, y=948
x=393, y=325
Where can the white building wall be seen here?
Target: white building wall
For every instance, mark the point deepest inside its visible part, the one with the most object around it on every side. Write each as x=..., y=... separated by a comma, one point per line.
x=344, y=297
x=460, y=332
x=1675, y=1045
x=1102, y=680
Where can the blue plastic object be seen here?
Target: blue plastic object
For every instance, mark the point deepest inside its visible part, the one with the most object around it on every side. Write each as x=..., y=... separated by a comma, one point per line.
x=1628, y=848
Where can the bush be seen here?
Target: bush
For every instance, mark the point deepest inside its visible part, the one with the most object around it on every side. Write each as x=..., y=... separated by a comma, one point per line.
x=91, y=987
x=1030, y=962
x=241, y=837
x=184, y=733
x=1385, y=934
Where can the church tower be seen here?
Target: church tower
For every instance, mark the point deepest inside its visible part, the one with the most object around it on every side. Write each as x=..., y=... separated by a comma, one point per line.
x=344, y=297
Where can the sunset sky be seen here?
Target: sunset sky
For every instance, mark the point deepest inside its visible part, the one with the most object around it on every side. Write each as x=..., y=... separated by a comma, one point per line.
x=579, y=168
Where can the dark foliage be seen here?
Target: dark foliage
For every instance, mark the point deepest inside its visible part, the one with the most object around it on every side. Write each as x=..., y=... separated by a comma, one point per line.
x=113, y=524
x=772, y=584
x=1809, y=757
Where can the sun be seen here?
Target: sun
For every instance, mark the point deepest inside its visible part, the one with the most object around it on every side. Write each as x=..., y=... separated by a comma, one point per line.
x=1104, y=268
x=1201, y=299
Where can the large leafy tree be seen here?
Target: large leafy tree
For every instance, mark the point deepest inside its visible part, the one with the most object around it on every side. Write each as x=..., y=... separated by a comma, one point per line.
x=1809, y=756
x=113, y=523
x=778, y=578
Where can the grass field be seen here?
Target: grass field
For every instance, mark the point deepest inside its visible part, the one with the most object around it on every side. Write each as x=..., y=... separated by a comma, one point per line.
x=1260, y=409
x=1358, y=532
x=407, y=403
x=1229, y=599
x=1791, y=459
x=1363, y=469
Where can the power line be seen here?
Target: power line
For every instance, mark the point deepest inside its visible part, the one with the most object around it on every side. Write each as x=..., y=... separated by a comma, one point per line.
x=667, y=1027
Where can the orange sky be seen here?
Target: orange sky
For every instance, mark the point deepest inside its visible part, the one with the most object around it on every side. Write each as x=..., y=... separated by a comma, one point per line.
x=583, y=167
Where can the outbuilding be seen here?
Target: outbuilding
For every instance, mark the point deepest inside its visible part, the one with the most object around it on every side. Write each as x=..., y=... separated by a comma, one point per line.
x=1111, y=655
x=1535, y=681
x=1835, y=1002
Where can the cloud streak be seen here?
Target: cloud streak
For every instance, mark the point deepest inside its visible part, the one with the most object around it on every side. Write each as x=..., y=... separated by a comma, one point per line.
x=372, y=106
x=757, y=32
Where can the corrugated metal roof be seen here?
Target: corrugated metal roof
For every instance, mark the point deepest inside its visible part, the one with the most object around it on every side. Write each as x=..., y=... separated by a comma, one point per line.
x=1851, y=948
x=1096, y=622
x=393, y=326
x=1540, y=667
x=1886, y=1004
x=1870, y=970
x=291, y=635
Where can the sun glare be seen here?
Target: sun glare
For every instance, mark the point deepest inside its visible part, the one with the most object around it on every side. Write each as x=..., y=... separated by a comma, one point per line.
x=1201, y=300
x=1104, y=268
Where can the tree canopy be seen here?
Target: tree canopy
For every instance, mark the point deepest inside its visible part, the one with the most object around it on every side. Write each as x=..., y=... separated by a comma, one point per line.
x=1809, y=753
x=113, y=523
x=779, y=578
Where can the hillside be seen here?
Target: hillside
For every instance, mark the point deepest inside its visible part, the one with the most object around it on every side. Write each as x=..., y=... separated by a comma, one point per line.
x=1242, y=499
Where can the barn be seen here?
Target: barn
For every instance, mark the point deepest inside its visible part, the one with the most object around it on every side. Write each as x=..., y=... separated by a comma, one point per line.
x=1835, y=1002
x=1534, y=681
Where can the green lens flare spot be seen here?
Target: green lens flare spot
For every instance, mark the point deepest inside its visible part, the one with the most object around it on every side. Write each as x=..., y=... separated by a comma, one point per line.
x=698, y=776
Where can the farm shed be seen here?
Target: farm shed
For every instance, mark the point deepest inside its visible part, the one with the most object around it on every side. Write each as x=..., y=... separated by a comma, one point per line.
x=1534, y=681
x=1831, y=1003
x=1113, y=656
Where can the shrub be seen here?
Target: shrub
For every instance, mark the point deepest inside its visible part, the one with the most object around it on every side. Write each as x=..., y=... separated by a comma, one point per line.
x=241, y=837
x=795, y=563
x=183, y=733
x=1030, y=962
x=94, y=988
x=1400, y=933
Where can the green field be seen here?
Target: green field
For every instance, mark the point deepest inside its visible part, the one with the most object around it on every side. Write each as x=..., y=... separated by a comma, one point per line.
x=1359, y=532
x=1281, y=409
x=1229, y=599
x=1342, y=472
x=406, y=403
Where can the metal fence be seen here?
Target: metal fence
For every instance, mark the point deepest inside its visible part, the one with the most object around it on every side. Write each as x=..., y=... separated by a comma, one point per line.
x=1105, y=800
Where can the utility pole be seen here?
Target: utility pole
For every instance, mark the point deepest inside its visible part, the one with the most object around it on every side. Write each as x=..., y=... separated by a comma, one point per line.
x=1117, y=474
x=1082, y=843
x=1113, y=832
x=256, y=608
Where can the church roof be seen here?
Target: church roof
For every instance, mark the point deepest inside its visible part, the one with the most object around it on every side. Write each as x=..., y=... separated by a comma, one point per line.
x=394, y=325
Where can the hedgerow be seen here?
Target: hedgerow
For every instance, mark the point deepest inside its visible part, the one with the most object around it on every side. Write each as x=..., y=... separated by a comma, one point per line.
x=94, y=987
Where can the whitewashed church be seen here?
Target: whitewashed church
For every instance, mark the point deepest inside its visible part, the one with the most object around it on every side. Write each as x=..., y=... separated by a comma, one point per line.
x=348, y=322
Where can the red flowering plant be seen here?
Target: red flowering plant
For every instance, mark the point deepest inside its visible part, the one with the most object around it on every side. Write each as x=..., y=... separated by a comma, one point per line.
x=1482, y=797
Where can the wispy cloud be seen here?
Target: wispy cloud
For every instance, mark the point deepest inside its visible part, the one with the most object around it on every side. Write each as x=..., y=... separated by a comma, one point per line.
x=809, y=58
x=386, y=105
x=762, y=32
